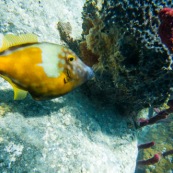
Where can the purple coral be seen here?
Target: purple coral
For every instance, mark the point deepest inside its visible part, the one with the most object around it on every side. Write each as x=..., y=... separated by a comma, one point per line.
x=160, y=115
x=155, y=159
x=146, y=145
x=143, y=122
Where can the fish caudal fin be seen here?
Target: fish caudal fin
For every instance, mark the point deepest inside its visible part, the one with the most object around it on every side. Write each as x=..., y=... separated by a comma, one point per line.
x=10, y=40
x=19, y=94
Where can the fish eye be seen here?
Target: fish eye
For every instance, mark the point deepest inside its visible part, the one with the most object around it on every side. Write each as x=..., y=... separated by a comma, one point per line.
x=70, y=58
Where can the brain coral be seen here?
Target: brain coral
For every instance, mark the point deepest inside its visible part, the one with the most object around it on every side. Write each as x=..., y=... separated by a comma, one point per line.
x=133, y=66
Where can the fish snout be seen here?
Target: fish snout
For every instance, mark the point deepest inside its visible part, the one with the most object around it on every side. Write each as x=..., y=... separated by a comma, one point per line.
x=83, y=71
x=89, y=73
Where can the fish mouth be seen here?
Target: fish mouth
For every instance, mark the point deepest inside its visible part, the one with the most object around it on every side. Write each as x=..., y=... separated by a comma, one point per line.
x=90, y=73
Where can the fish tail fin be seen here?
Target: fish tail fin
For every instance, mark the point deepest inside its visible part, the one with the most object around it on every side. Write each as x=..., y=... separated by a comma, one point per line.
x=10, y=40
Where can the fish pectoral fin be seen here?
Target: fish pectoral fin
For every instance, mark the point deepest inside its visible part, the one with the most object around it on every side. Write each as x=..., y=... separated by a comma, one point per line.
x=10, y=40
x=19, y=94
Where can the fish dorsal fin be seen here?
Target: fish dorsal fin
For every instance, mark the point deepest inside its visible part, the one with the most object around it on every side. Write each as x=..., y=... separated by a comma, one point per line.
x=10, y=40
x=19, y=94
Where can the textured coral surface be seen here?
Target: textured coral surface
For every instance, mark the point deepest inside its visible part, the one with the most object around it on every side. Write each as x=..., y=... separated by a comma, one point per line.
x=133, y=69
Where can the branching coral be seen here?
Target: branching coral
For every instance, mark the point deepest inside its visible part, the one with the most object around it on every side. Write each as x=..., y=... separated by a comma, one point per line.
x=153, y=160
x=146, y=145
x=159, y=117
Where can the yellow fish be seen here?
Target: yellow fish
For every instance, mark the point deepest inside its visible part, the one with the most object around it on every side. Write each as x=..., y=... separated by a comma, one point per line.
x=45, y=70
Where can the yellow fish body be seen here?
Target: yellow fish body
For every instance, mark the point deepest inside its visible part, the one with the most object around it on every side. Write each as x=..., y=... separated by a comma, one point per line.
x=45, y=70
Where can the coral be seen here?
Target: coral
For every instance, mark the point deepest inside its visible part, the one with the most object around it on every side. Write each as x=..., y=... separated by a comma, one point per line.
x=155, y=159
x=166, y=27
x=161, y=134
x=159, y=116
x=146, y=145
x=133, y=69
x=139, y=17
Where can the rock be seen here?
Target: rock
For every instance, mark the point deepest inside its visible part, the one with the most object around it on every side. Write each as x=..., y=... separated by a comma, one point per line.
x=70, y=134
x=40, y=17
x=67, y=134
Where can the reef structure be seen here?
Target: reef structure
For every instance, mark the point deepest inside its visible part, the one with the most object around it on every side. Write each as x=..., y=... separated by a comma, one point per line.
x=121, y=42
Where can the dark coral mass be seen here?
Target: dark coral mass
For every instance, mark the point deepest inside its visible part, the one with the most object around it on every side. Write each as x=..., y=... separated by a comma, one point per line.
x=131, y=63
